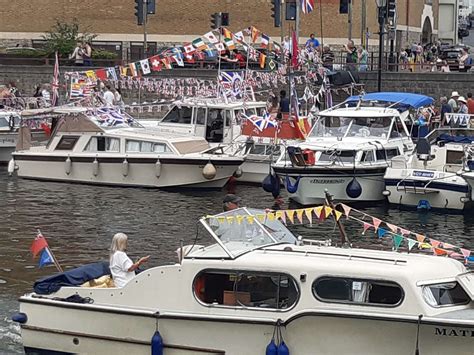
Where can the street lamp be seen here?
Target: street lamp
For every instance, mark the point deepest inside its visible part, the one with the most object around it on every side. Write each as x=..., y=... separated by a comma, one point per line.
x=382, y=8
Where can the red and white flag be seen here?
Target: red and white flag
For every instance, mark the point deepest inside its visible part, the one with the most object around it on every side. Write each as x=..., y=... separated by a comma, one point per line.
x=156, y=64
x=55, y=83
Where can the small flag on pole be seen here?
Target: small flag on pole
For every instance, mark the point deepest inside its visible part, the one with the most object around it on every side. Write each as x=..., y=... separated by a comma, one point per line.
x=307, y=6
x=38, y=244
x=46, y=258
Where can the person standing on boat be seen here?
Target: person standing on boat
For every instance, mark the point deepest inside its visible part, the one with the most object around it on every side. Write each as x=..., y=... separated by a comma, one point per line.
x=453, y=101
x=284, y=104
x=121, y=266
x=109, y=96
x=231, y=202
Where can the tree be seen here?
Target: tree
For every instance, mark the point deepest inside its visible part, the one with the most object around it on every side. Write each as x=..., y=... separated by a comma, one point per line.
x=63, y=37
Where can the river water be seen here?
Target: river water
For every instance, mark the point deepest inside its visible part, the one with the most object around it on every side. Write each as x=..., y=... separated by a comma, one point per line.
x=80, y=220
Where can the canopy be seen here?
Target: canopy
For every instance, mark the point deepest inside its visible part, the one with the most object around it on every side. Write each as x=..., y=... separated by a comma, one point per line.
x=402, y=99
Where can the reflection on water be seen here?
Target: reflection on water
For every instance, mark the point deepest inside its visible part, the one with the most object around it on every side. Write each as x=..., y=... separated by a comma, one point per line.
x=79, y=222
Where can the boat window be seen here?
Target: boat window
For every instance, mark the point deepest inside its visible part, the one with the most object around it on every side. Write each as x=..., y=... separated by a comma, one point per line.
x=246, y=289
x=11, y=120
x=357, y=291
x=228, y=118
x=67, y=143
x=133, y=146
x=398, y=129
x=454, y=157
x=258, y=149
x=343, y=156
x=390, y=153
x=179, y=115
x=103, y=144
x=200, y=113
x=445, y=294
x=215, y=125
x=367, y=156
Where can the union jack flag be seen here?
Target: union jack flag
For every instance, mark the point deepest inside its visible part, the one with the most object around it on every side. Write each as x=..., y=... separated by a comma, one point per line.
x=307, y=6
x=262, y=122
x=55, y=83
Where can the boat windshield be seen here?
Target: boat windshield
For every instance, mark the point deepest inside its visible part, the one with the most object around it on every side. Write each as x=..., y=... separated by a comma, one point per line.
x=341, y=127
x=244, y=229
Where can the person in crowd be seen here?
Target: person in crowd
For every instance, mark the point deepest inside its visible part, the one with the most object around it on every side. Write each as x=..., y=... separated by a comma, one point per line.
x=453, y=101
x=78, y=55
x=362, y=58
x=87, y=54
x=284, y=104
x=445, y=67
x=37, y=90
x=231, y=202
x=273, y=106
x=351, y=55
x=122, y=267
x=312, y=42
x=404, y=59
x=13, y=89
x=118, y=101
x=462, y=108
x=463, y=58
x=470, y=103
x=45, y=93
x=227, y=61
x=419, y=55
x=241, y=59
x=328, y=58
x=445, y=108
x=109, y=96
x=286, y=45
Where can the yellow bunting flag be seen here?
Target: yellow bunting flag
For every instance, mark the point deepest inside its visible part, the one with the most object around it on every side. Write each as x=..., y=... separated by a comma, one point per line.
x=91, y=74
x=338, y=214
x=221, y=219
x=309, y=214
x=291, y=215
x=318, y=210
x=299, y=215
x=239, y=219
x=261, y=218
x=250, y=219
x=230, y=219
x=271, y=216
x=425, y=246
x=279, y=214
x=327, y=211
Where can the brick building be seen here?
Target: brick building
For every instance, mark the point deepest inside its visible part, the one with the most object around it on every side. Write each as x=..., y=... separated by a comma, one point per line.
x=177, y=21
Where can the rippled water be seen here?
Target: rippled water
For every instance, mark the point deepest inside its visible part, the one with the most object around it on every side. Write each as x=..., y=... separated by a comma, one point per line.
x=79, y=222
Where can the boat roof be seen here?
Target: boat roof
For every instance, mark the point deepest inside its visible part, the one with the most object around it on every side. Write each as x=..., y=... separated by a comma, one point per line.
x=397, y=99
x=144, y=133
x=219, y=103
x=360, y=112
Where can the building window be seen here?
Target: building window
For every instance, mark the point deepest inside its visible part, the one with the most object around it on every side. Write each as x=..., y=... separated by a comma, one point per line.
x=67, y=143
x=103, y=144
x=445, y=294
x=246, y=289
x=357, y=291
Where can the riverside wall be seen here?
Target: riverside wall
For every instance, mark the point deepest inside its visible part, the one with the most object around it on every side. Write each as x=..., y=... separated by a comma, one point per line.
x=432, y=84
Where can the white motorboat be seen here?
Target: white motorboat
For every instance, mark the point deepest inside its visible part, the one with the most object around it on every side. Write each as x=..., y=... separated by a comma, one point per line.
x=349, y=148
x=220, y=123
x=433, y=176
x=96, y=146
x=253, y=280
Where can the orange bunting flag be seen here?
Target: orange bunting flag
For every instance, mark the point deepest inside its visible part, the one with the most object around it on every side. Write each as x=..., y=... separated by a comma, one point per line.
x=291, y=215
x=254, y=34
x=299, y=215
x=227, y=33
x=262, y=60
x=439, y=252
x=420, y=238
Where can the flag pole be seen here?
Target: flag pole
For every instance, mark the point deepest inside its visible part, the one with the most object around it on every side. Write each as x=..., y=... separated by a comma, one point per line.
x=321, y=23
x=55, y=261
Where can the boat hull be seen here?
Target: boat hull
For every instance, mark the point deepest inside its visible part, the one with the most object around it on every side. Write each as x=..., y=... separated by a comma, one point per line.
x=253, y=171
x=409, y=187
x=313, y=184
x=122, y=332
x=141, y=172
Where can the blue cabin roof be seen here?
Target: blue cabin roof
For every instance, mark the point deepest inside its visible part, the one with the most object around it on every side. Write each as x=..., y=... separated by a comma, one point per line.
x=401, y=99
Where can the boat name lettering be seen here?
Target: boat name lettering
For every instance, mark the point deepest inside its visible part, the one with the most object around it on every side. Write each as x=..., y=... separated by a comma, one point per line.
x=450, y=332
x=326, y=181
x=427, y=174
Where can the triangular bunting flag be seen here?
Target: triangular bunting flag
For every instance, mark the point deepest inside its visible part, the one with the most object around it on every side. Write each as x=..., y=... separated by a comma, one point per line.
x=392, y=227
x=381, y=232
x=309, y=214
x=366, y=227
x=376, y=222
x=290, y=214
x=299, y=215
x=411, y=243
x=230, y=219
x=250, y=219
x=420, y=238
x=397, y=241
x=435, y=243
x=327, y=211
x=261, y=218
x=439, y=251
x=404, y=231
x=239, y=219
x=338, y=214
x=346, y=209
x=318, y=210
x=271, y=216
x=465, y=252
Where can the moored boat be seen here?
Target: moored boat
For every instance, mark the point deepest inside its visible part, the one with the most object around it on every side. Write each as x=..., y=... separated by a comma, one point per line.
x=255, y=278
x=98, y=146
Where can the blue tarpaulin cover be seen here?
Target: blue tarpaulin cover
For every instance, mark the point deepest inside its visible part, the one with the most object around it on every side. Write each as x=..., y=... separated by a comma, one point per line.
x=447, y=138
x=403, y=99
x=74, y=277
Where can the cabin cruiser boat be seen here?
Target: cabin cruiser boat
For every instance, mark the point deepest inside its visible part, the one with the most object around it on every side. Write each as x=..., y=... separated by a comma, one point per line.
x=221, y=124
x=103, y=146
x=434, y=176
x=349, y=148
x=230, y=294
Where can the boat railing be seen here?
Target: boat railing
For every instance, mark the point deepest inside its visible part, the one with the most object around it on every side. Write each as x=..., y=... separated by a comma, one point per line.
x=321, y=243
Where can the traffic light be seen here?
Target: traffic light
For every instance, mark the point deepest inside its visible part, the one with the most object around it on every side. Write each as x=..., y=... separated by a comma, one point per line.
x=216, y=20
x=225, y=19
x=150, y=7
x=276, y=12
x=139, y=12
x=391, y=9
x=290, y=11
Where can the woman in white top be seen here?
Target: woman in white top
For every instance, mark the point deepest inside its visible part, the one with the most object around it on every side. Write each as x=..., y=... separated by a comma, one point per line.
x=121, y=266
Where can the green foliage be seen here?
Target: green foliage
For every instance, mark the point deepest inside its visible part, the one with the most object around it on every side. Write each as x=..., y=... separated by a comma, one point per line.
x=103, y=54
x=63, y=37
x=26, y=52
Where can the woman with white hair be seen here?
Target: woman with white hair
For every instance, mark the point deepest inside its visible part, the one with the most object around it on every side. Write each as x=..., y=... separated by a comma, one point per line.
x=121, y=266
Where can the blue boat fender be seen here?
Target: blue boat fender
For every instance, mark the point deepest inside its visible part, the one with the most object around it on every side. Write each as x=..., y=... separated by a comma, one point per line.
x=353, y=189
x=272, y=348
x=157, y=344
x=292, y=188
x=283, y=349
x=271, y=184
x=20, y=317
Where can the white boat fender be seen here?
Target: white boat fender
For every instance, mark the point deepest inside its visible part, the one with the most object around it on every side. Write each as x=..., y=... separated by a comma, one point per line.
x=157, y=344
x=68, y=165
x=158, y=168
x=125, y=167
x=95, y=167
x=238, y=172
x=209, y=171
x=11, y=166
